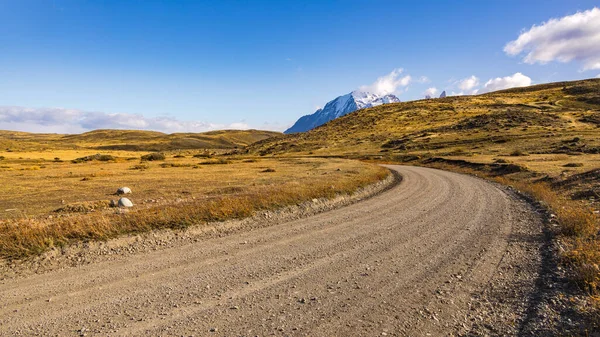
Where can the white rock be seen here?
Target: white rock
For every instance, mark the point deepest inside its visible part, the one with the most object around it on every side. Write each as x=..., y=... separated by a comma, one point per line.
x=124, y=190
x=124, y=202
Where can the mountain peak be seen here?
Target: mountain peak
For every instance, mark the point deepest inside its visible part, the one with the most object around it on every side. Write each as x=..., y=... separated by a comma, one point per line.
x=443, y=95
x=365, y=99
x=339, y=107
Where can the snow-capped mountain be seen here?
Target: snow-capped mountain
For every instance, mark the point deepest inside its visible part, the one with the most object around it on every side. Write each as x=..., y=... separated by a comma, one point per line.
x=339, y=107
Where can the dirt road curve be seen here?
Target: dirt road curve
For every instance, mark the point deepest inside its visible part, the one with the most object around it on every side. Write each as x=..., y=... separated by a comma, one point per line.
x=439, y=254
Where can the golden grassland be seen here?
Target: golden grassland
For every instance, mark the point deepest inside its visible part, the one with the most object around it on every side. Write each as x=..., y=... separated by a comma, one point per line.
x=544, y=140
x=46, y=202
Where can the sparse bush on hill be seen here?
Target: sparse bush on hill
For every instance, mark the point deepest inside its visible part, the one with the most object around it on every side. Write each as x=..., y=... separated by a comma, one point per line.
x=154, y=156
x=97, y=157
x=167, y=165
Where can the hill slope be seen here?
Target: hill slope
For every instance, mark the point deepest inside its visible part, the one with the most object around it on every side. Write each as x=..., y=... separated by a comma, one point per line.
x=133, y=140
x=551, y=118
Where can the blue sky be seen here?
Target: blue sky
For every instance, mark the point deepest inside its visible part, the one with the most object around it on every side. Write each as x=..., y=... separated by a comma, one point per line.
x=262, y=64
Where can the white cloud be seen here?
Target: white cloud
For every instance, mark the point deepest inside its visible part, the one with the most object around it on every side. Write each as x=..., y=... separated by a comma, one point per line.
x=499, y=83
x=61, y=120
x=423, y=79
x=388, y=84
x=573, y=37
x=238, y=126
x=275, y=126
x=468, y=83
x=598, y=76
x=430, y=92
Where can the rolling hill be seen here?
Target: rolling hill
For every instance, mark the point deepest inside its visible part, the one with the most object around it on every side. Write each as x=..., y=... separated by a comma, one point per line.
x=132, y=140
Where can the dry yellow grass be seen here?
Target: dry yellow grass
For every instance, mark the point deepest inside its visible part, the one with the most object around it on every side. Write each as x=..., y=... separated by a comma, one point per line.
x=173, y=193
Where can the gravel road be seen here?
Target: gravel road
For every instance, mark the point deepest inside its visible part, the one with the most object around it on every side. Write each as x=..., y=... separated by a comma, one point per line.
x=439, y=254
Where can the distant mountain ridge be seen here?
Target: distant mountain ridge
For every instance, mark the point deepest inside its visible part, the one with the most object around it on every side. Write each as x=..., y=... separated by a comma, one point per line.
x=339, y=107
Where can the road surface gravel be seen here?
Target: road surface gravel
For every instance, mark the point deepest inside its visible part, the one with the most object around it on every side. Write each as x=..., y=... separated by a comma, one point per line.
x=438, y=254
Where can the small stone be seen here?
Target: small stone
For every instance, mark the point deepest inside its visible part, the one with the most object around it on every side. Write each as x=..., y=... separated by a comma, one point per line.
x=124, y=202
x=123, y=190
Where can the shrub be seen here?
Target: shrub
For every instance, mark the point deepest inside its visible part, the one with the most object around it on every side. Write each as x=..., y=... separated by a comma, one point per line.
x=219, y=161
x=97, y=156
x=154, y=156
x=167, y=165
